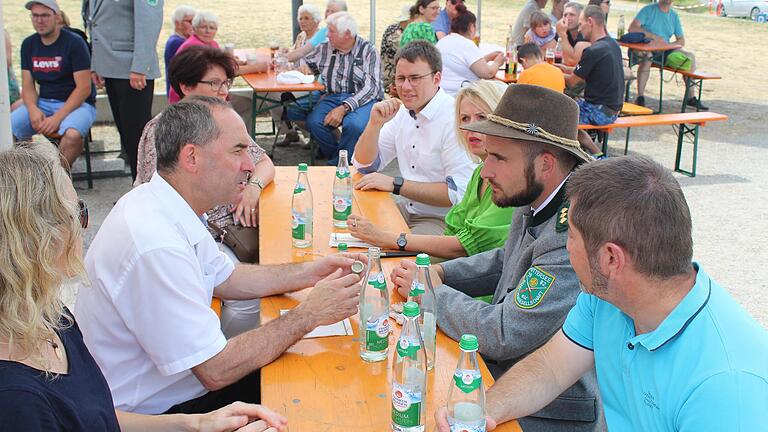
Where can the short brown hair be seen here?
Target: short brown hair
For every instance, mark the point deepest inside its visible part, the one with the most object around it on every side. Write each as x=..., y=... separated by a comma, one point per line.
x=529, y=50
x=421, y=50
x=189, y=66
x=635, y=202
x=597, y=15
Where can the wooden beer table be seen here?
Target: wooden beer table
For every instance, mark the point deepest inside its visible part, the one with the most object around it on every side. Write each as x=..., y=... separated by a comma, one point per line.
x=652, y=46
x=264, y=85
x=322, y=384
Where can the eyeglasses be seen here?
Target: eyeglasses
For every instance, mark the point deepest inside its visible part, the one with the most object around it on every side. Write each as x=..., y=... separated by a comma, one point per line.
x=217, y=85
x=187, y=21
x=207, y=27
x=83, y=213
x=413, y=80
x=39, y=17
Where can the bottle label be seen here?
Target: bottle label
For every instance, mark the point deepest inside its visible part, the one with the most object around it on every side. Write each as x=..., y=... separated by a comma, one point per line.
x=467, y=380
x=298, y=226
x=408, y=348
x=299, y=188
x=461, y=427
x=342, y=172
x=342, y=208
x=377, y=334
x=417, y=288
x=377, y=281
x=406, y=406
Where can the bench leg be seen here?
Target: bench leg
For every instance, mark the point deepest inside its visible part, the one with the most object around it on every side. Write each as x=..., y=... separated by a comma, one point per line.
x=87, y=148
x=626, y=142
x=684, y=131
x=661, y=84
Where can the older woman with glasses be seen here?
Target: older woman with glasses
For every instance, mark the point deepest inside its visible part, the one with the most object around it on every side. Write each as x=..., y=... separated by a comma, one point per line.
x=48, y=379
x=309, y=17
x=420, y=28
x=204, y=26
x=475, y=224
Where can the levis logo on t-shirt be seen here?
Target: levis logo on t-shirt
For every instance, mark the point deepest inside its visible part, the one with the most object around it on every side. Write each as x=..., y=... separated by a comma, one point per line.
x=46, y=64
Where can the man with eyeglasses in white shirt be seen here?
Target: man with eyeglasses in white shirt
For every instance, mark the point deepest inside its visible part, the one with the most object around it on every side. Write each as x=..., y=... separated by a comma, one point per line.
x=419, y=130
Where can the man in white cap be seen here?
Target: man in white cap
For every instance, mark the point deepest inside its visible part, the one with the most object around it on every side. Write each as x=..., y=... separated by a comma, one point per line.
x=58, y=61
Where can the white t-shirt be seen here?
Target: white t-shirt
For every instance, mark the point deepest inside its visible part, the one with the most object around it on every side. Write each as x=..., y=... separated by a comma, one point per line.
x=427, y=151
x=147, y=317
x=458, y=53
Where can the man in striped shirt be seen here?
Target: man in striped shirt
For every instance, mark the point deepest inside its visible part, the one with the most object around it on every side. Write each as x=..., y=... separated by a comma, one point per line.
x=351, y=71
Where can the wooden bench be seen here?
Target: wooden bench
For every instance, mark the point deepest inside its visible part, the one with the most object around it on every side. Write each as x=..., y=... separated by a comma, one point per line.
x=688, y=127
x=694, y=80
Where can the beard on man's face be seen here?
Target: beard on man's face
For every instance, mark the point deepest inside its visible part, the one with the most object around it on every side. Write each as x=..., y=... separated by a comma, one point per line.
x=533, y=188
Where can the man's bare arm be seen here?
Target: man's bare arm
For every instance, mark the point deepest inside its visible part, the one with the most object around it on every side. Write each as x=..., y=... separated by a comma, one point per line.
x=331, y=300
x=538, y=379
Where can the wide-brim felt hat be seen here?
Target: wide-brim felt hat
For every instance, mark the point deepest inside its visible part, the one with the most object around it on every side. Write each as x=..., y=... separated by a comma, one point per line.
x=537, y=114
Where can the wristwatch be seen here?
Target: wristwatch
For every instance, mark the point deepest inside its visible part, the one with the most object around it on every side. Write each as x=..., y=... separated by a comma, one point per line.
x=256, y=181
x=402, y=241
x=398, y=183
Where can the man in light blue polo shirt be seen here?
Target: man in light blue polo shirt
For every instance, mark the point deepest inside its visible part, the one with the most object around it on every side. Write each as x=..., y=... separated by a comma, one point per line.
x=659, y=22
x=673, y=351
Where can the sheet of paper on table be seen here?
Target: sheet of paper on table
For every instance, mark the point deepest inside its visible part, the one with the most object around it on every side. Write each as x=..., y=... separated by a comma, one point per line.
x=347, y=238
x=341, y=328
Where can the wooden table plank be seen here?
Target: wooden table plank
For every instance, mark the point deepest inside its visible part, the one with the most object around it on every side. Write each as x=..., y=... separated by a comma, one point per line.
x=323, y=384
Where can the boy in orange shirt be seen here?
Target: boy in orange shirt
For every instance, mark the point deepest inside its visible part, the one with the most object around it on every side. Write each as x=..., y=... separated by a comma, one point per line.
x=537, y=71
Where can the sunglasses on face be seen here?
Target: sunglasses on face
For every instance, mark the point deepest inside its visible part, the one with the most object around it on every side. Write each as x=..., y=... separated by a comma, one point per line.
x=83, y=208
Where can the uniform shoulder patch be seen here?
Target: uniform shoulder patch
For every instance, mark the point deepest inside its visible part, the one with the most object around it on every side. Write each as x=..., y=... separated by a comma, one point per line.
x=533, y=287
x=562, y=217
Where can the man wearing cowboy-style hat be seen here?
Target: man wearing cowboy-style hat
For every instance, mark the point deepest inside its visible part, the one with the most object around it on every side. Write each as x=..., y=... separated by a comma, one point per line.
x=532, y=150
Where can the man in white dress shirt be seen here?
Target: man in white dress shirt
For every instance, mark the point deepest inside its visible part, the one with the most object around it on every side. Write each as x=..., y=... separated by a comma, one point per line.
x=154, y=269
x=420, y=132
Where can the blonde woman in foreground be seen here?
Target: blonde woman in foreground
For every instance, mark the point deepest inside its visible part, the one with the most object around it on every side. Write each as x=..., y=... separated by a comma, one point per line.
x=48, y=379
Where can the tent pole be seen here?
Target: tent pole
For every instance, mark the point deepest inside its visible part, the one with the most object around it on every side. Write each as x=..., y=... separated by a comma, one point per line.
x=6, y=139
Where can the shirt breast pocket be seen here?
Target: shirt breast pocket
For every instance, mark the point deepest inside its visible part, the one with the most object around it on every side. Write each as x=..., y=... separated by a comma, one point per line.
x=209, y=279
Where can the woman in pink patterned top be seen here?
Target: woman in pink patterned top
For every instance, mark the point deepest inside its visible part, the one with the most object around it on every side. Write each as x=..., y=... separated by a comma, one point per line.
x=206, y=71
x=204, y=26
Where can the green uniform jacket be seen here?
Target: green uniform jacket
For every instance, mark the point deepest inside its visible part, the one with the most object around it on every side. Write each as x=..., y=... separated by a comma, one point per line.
x=476, y=221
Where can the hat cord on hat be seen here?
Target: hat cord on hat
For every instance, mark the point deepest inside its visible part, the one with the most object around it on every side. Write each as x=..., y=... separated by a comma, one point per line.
x=533, y=130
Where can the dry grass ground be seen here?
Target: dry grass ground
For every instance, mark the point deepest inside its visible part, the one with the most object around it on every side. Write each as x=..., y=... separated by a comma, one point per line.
x=727, y=198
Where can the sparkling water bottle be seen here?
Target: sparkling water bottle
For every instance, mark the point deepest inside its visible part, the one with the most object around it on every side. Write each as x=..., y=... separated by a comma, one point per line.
x=466, y=395
x=374, y=311
x=342, y=192
x=409, y=375
x=620, y=27
x=423, y=293
x=301, y=210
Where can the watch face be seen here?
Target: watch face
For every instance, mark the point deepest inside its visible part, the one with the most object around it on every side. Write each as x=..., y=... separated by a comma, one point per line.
x=401, y=241
x=398, y=181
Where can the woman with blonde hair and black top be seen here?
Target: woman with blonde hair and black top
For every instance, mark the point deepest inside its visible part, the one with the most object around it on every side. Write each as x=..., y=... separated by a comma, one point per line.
x=48, y=379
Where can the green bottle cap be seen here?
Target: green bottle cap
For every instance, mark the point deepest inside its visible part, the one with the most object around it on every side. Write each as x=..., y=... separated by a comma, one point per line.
x=302, y=167
x=468, y=342
x=422, y=259
x=411, y=309
x=342, y=247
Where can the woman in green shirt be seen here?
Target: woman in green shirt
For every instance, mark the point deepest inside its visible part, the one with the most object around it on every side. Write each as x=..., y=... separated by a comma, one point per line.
x=420, y=28
x=474, y=225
